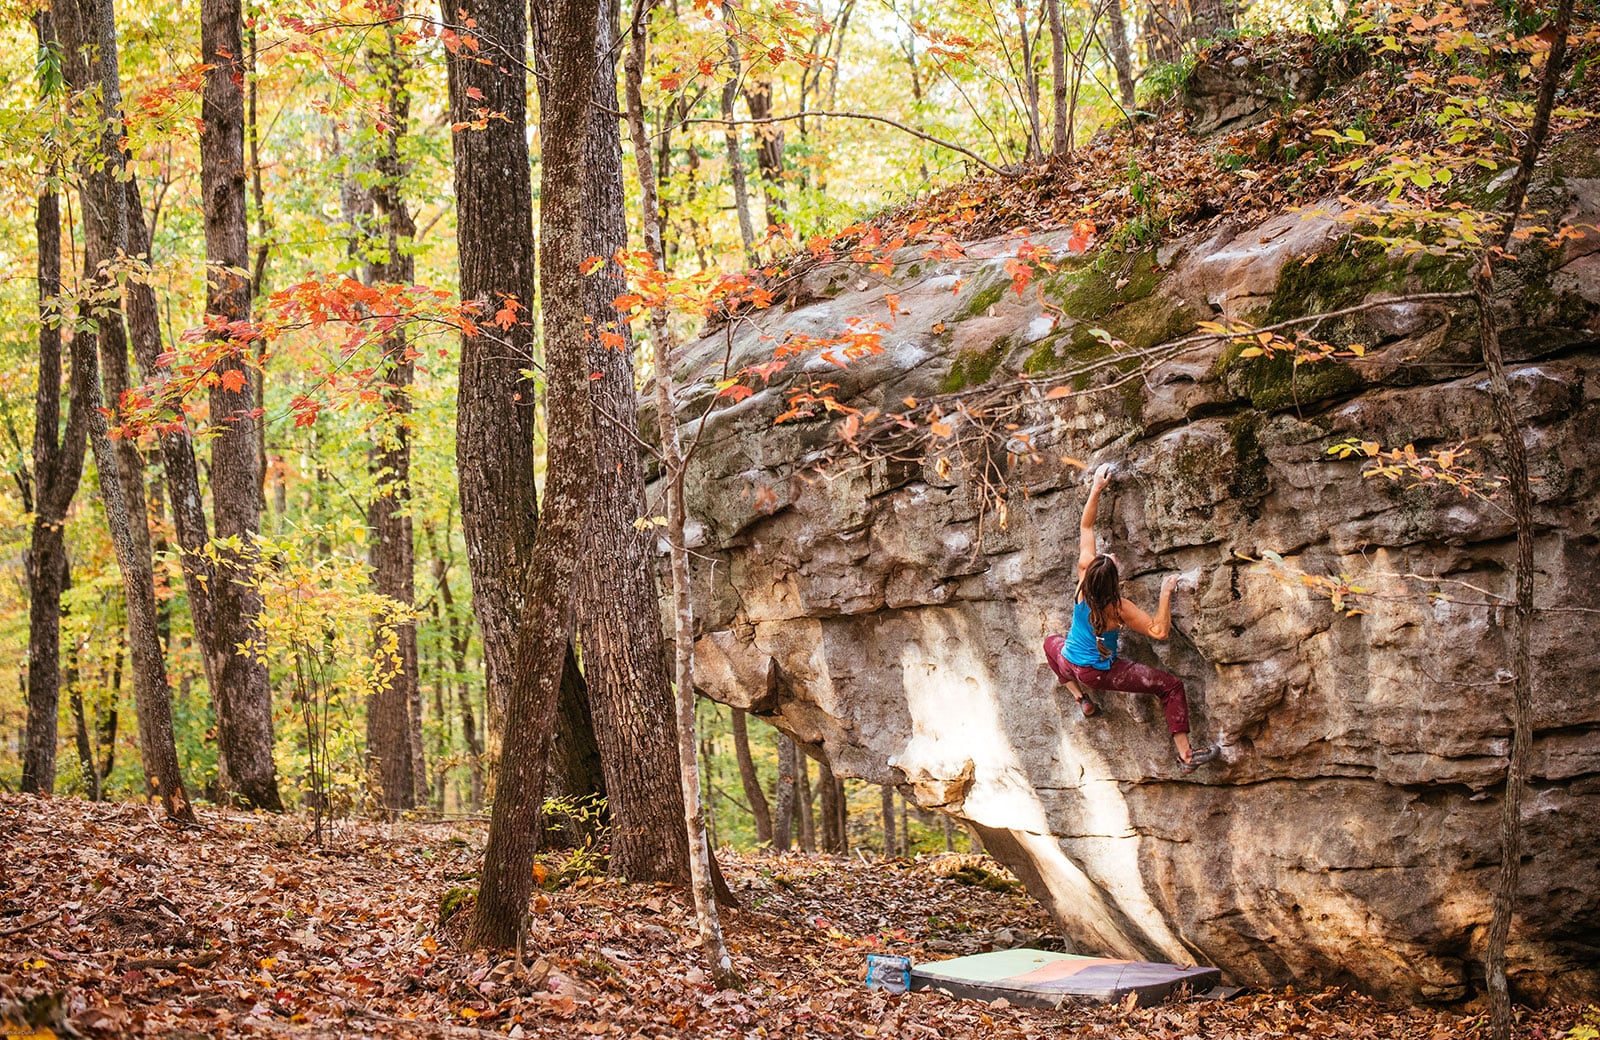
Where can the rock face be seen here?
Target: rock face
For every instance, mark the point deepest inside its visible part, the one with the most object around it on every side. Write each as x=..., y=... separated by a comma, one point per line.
x=887, y=609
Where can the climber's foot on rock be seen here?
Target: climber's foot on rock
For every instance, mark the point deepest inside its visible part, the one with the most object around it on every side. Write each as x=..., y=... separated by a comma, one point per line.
x=1089, y=708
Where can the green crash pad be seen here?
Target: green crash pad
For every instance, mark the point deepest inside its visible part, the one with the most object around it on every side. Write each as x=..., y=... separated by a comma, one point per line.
x=1041, y=978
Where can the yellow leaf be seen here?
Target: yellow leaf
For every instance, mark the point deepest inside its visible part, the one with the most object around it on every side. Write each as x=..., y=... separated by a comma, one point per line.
x=1249, y=352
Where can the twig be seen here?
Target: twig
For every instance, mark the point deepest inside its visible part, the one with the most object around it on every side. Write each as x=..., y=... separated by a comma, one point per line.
x=974, y=156
x=36, y=922
x=198, y=960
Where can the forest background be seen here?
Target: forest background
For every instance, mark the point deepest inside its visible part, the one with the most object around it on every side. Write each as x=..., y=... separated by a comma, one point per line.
x=919, y=95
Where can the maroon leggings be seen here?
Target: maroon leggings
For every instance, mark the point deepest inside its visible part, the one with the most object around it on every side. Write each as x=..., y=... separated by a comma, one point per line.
x=1127, y=676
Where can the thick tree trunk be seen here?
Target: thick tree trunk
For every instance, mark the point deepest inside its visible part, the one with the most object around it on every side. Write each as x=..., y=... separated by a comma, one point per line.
x=751, y=780
x=545, y=625
x=702, y=868
x=783, y=821
x=89, y=60
x=242, y=693
x=394, y=734
x=494, y=403
x=618, y=609
x=730, y=136
x=57, y=469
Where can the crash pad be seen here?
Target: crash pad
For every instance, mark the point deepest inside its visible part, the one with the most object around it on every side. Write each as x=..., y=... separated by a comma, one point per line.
x=1043, y=978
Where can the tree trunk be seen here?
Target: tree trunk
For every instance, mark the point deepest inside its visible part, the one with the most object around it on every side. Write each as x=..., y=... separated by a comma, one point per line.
x=730, y=136
x=89, y=60
x=545, y=625
x=753, y=792
x=242, y=694
x=460, y=634
x=783, y=822
x=1030, y=83
x=803, y=806
x=886, y=802
x=177, y=449
x=618, y=607
x=394, y=733
x=1516, y=452
x=1121, y=60
x=57, y=469
x=1062, y=143
x=701, y=865
x=769, y=148
x=949, y=833
x=576, y=772
x=494, y=403
x=86, y=755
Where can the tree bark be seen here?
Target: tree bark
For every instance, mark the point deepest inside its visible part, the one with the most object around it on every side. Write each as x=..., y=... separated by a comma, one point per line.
x=394, y=734
x=751, y=780
x=494, y=403
x=576, y=772
x=730, y=136
x=177, y=449
x=545, y=625
x=783, y=821
x=242, y=694
x=89, y=60
x=802, y=803
x=769, y=149
x=618, y=607
x=834, y=817
x=57, y=469
x=1121, y=59
x=1511, y=436
x=1062, y=142
x=1030, y=83
x=702, y=868
x=886, y=801
x=460, y=635
x=86, y=755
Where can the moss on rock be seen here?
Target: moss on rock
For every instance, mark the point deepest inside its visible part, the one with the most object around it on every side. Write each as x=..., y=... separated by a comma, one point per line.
x=974, y=367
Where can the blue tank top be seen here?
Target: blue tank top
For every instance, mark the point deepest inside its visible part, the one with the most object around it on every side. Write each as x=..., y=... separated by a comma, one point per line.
x=1081, y=649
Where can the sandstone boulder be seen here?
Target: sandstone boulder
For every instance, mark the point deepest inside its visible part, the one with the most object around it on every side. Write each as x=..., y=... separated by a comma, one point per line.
x=886, y=608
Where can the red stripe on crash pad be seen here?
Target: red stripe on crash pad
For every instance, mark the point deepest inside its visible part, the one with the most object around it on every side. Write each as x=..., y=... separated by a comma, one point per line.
x=1061, y=969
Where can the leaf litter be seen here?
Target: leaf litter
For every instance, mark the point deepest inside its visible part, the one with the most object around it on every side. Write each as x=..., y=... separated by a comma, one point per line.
x=115, y=923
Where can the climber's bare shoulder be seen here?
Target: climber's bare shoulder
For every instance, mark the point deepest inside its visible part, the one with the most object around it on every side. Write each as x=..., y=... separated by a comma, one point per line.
x=1134, y=618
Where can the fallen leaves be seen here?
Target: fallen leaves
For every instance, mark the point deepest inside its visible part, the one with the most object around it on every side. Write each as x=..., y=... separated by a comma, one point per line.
x=244, y=929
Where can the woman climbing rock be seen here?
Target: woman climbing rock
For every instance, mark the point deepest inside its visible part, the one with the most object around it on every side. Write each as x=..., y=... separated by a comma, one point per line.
x=1088, y=654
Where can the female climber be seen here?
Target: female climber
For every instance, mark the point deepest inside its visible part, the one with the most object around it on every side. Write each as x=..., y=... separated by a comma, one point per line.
x=1088, y=654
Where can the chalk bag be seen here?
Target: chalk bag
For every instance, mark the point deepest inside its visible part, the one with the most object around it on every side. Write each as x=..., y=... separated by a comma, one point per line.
x=890, y=974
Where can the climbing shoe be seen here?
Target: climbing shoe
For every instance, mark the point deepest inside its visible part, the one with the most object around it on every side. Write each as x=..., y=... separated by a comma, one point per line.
x=1089, y=708
x=1198, y=757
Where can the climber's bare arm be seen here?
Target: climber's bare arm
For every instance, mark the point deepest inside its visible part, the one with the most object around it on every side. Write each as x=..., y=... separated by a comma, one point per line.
x=1086, y=548
x=1158, y=627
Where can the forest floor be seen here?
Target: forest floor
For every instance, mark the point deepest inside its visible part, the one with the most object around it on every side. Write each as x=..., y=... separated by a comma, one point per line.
x=116, y=923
